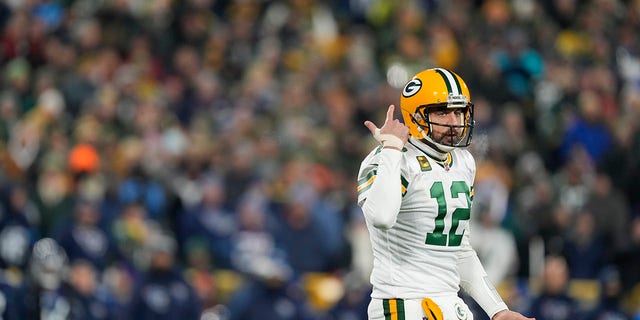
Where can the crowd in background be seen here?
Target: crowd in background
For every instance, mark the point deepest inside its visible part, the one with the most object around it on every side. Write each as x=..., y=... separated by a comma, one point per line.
x=182, y=159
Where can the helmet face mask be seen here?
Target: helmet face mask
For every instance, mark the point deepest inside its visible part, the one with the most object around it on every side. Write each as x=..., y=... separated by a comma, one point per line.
x=455, y=135
x=437, y=92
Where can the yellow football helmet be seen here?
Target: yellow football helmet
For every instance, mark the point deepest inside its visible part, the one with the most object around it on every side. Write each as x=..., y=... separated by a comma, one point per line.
x=431, y=89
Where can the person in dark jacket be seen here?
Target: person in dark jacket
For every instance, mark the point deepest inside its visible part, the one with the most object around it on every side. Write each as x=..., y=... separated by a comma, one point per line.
x=83, y=238
x=8, y=301
x=553, y=303
x=81, y=291
x=609, y=305
x=40, y=296
x=163, y=292
x=18, y=231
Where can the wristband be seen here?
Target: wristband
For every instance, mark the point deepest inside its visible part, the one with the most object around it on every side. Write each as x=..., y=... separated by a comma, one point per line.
x=388, y=140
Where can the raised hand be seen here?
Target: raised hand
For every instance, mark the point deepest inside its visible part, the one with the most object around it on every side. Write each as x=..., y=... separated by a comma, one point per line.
x=393, y=133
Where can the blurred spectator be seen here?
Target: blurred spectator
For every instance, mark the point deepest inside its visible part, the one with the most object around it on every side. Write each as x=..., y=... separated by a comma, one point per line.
x=118, y=283
x=268, y=291
x=301, y=234
x=495, y=246
x=132, y=231
x=274, y=299
x=620, y=163
x=255, y=252
x=9, y=115
x=54, y=198
x=41, y=296
x=199, y=271
x=562, y=13
x=83, y=158
x=489, y=214
x=484, y=73
x=584, y=249
x=239, y=176
x=83, y=238
x=533, y=206
x=610, y=212
x=573, y=182
x=10, y=307
x=83, y=295
x=162, y=292
x=553, y=302
x=354, y=302
x=588, y=131
x=17, y=76
x=628, y=260
x=210, y=221
x=519, y=63
x=610, y=301
x=510, y=136
x=18, y=227
x=140, y=188
x=359, y=243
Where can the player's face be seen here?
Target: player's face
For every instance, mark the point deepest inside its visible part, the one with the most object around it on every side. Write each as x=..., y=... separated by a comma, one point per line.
x=446, y=125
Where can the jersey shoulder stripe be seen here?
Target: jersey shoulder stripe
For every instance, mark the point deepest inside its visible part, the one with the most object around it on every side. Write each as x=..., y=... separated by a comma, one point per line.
x=365, y=183
x=369, y=171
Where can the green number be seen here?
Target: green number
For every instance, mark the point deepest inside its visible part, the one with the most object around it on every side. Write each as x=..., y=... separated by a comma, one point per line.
x=437, y=237
x=458, y=187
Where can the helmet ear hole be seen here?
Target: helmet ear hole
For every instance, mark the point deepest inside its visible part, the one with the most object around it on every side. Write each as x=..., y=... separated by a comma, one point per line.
x=419, y=119
x=421, y=122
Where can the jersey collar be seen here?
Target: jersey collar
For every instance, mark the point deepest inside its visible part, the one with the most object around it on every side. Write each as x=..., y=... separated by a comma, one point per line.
x=443, y=159
x=428, y=150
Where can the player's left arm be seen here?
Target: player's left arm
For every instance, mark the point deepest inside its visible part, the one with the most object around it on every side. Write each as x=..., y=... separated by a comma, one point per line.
x=474, y=281
x=473, y=278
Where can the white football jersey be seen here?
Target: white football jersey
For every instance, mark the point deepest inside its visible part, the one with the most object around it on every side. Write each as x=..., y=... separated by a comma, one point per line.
x=418, y=256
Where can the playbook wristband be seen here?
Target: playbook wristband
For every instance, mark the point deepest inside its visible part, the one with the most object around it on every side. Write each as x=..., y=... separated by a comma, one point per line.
x=388, y=140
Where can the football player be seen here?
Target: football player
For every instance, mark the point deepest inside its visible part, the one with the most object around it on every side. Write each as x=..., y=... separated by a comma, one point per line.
x=416, y=191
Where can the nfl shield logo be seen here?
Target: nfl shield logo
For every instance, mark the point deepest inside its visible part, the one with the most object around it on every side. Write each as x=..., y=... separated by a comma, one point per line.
x=461, y=313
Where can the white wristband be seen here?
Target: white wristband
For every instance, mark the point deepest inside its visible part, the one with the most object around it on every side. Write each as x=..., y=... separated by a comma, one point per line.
x=388, y=140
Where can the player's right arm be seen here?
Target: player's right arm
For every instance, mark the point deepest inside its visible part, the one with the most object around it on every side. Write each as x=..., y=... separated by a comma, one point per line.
x=379, y=188
x=379, y=183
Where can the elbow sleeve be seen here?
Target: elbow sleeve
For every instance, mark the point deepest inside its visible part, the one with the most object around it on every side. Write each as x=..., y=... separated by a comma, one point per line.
x=474, y=281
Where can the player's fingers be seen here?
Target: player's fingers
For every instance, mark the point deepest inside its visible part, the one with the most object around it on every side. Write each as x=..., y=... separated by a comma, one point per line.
x=389, y=114
x=372, y=127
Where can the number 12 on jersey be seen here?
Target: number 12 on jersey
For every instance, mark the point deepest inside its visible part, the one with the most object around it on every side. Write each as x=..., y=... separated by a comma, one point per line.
x=438, y=237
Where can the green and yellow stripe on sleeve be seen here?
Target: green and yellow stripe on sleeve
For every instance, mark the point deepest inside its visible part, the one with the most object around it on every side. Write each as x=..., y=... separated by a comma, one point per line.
x=404, y=184
x=365, y=183
x=393, y=309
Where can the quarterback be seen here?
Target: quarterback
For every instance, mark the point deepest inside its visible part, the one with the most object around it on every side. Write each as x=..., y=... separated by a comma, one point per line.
x=416, y=191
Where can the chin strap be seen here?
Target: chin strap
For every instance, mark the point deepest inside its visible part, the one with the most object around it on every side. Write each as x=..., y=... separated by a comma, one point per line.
x=388, y=140
x=433, y=148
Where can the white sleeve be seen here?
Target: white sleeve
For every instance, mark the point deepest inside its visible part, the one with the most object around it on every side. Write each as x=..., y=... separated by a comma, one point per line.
x=475, y=282
x=383, y=197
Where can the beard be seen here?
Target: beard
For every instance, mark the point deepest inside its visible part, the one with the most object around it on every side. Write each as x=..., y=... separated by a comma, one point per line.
x=451, y=137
